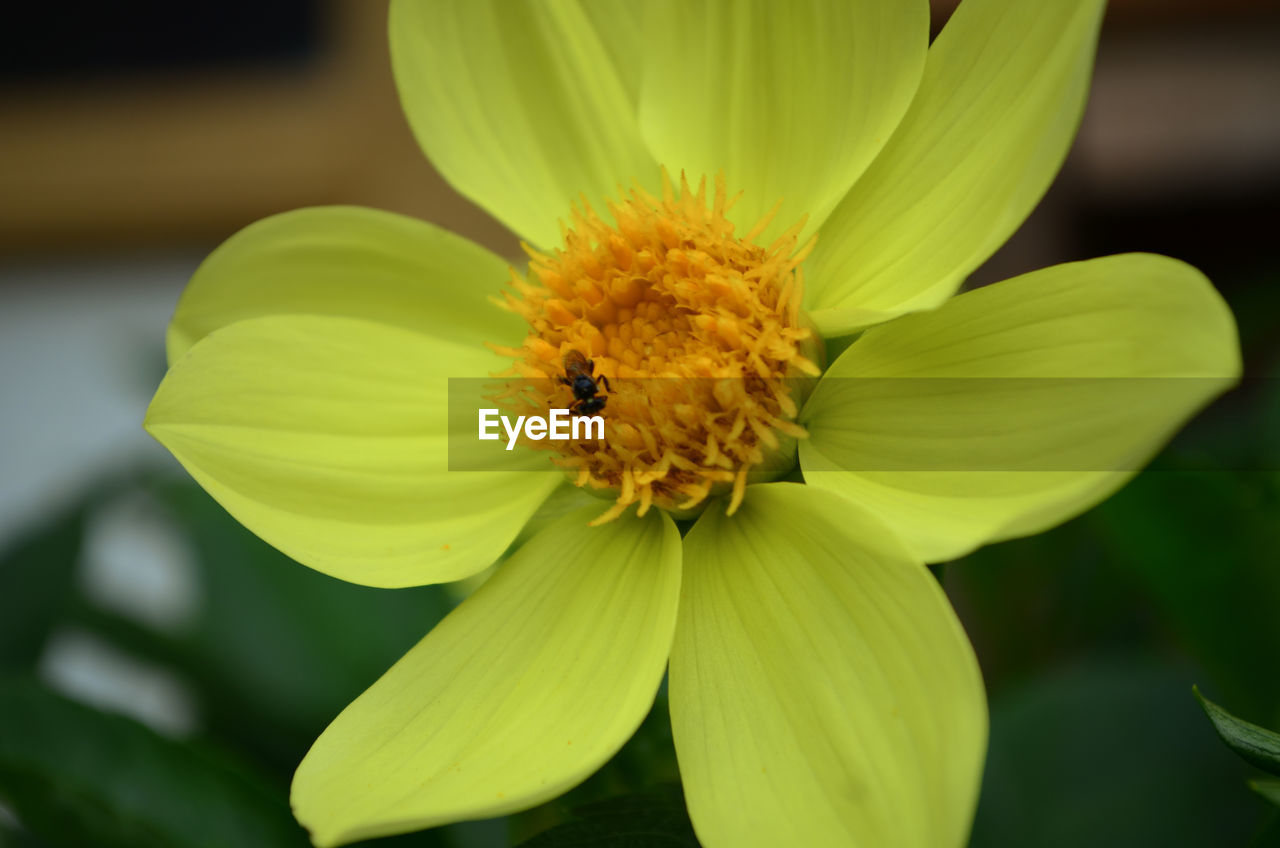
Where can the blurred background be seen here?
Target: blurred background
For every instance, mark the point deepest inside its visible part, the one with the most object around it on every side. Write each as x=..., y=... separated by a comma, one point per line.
x=162, y=671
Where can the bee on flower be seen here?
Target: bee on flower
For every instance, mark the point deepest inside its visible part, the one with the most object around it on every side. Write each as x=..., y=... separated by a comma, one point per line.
x=713, y=195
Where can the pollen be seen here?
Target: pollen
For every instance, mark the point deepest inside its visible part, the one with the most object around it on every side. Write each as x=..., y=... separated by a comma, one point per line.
x=696, y=332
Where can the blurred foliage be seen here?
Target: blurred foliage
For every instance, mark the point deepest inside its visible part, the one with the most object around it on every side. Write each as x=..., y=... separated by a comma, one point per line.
x=273, y=652
x=273, y=640
x=1255, y=745
x=655, y=817
x=80, y=777
x=1203, y=547
x=34, y=576
x=1109, y=753
x=1269, y=789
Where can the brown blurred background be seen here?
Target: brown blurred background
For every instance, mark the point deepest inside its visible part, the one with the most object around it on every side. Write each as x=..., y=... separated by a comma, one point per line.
x=151, y=124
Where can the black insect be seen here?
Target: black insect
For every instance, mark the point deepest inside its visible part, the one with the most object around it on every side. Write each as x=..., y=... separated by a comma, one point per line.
x=579, y=376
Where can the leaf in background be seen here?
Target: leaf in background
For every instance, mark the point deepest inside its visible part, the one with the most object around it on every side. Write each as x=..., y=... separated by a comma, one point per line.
x=652, y=819
x=13, y=837
x=1043, y=600
x=78, y=777
x=1109, y=754
x=276, y=650
x=1203, y=545
x=1257, y=745
x=35, y=582
x=1269, y=789
x=484, y=833
x=1269, y=416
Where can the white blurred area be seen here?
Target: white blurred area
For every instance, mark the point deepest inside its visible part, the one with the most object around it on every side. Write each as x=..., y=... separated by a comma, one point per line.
x=81, y=351
x=84, y=667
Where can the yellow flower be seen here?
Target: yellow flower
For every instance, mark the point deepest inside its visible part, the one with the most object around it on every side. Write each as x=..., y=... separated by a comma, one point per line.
x=822, y=691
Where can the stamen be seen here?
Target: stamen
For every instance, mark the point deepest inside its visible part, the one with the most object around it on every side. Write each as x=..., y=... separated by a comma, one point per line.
x=690, y=339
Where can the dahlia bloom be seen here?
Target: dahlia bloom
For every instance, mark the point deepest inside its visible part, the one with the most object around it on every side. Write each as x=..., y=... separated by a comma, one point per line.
x=833, y=179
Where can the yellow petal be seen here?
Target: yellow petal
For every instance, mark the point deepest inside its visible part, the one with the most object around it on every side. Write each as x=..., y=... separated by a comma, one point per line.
x=353, y=262
x=519, y=106
x=519, y=694
x=620, y=27
x=1003, y=89
x=822, y=690
x=791, y=100
x=1019, y=405
x=328, y=438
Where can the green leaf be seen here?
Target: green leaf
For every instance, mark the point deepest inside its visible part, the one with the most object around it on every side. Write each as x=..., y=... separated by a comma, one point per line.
x=1269, y=789
x=1257, y=745
x=1108, y=752
x=1202, y=545
x=75, y=776
x=1269, y=423
x=35, y=576
x=12, y=836
x=655, y=818
x=275, y=650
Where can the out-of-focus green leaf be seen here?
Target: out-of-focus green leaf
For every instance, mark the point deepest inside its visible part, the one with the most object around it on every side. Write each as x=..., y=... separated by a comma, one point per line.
x=14, y=837
x=1109, y=754
x=276, y=650
x=1269, y=789
x=653, y=819
x=35, y=582
x=485, y=833
x=78, y=777
x=1257, y=745
x=1269, y=415
x=1202, y=544
x=1030, y=603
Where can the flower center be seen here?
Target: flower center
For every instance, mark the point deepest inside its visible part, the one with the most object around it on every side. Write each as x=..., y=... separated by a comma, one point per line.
x=685, y=339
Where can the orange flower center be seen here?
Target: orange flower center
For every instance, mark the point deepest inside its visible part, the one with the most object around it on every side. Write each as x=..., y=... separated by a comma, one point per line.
x=685, y=339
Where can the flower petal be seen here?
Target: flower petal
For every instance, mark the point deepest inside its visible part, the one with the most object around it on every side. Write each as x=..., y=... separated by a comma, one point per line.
x=1016, y=406
x=790, y=100
x=620, y=27
x=822, y=690
x=1003, y=89
x=328, y=437
x=519, y=106
x=348, y=261
x=519, y=694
